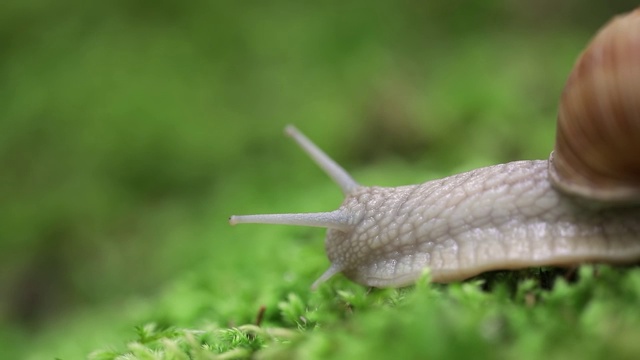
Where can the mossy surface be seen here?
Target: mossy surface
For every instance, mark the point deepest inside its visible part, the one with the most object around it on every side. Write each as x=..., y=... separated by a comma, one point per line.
x=131, y=130
x=584, y=317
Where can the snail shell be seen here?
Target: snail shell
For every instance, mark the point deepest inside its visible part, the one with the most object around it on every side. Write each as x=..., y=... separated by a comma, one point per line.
x=597, y=151
x=507, y=216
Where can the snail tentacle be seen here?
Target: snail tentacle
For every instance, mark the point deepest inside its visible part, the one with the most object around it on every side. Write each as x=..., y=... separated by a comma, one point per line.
x=580, y=206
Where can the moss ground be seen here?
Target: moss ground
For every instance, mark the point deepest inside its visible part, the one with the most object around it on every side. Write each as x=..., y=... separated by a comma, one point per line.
x=131, y=130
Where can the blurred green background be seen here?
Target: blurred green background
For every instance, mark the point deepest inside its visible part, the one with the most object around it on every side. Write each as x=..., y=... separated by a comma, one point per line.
x=130, y=130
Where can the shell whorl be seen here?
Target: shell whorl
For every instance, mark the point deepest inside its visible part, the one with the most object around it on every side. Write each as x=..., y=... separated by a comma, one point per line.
x=597, y=152
x=511, y=215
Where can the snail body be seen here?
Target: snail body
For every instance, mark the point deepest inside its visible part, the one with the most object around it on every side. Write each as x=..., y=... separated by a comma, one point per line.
x=569, y=210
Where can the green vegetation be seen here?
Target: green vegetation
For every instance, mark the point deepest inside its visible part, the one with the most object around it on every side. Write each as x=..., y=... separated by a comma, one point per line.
x=131, y=130
x=594, y=317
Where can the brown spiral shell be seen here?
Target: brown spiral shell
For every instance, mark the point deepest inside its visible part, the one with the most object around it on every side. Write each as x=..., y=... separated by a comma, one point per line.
x=597, y=152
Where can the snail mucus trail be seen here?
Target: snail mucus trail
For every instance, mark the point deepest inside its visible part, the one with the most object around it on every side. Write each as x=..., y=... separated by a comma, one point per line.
x=580, y=206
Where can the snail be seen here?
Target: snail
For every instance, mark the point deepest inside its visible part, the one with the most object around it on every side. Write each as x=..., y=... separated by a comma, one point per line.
x=580, y=206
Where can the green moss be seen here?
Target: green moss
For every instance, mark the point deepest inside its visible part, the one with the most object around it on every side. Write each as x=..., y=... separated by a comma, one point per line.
x=584, y=318
x=131, y=130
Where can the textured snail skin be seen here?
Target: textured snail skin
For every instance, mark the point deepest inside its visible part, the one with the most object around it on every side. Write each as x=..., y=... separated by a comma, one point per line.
x=581, y=206
x=499, y=217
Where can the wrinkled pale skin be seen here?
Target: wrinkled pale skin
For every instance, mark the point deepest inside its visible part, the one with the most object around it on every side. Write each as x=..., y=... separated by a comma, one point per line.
x=585, y=209
x=499, y=217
